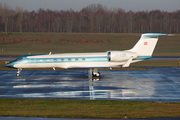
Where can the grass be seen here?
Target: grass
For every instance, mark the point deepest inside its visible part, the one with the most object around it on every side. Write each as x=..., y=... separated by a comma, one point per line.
x=167, y=46
x=55, y=108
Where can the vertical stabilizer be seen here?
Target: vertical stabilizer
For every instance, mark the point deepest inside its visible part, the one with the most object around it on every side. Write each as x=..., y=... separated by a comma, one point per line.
x=146, y=44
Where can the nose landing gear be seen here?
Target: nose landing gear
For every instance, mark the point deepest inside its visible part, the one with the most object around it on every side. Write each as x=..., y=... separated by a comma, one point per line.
x=18, y=72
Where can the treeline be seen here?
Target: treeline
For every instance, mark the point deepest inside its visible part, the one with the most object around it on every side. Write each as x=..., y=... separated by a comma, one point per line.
x=94, y=18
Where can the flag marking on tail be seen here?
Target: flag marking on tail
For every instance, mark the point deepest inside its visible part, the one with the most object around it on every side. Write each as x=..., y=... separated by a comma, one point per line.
x=145, y=43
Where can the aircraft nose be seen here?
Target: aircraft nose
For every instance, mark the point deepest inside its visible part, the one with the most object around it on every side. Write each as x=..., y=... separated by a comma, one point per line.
x=8, y=65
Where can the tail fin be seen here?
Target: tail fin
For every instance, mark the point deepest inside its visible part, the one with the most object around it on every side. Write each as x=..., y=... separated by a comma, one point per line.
x=146, y=44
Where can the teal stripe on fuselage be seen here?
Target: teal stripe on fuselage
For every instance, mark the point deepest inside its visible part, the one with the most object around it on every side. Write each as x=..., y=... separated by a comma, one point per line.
x=143, y=58
x=73, y=59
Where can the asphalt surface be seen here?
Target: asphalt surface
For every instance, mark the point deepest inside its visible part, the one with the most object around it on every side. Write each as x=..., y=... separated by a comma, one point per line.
x=160, y=83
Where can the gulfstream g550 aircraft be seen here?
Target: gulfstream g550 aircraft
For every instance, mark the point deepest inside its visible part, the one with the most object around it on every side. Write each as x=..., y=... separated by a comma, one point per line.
x=142, y=50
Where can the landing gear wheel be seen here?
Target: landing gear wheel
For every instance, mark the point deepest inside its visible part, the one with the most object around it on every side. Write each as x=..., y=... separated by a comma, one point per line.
x=96, y=74
x=18, y=75
x=18, y=72
x=99, y=73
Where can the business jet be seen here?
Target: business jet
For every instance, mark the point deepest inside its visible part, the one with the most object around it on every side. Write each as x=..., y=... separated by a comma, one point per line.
x=142, y=50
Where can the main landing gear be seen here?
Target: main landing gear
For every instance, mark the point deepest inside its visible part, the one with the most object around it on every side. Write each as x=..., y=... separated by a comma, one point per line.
x=94, y=72
x=18, y=72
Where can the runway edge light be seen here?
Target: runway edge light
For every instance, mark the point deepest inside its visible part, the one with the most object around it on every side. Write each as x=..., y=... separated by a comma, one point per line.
x=125, y=115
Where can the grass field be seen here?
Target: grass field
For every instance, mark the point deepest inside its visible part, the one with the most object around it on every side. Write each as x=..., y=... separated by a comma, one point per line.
x=55, y=108
x=167, y=46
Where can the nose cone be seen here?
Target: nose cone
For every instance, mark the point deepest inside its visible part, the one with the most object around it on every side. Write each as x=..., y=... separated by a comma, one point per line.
x=8, y=65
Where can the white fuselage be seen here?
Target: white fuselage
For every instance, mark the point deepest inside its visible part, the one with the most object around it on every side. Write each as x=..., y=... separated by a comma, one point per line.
x=75, y=60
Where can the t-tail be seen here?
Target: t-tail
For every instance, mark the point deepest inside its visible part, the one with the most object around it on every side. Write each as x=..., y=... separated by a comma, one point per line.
x=145, y=46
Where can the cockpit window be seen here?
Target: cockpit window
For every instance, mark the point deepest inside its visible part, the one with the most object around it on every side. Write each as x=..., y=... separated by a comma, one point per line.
x=20, y=58
x=17, y=59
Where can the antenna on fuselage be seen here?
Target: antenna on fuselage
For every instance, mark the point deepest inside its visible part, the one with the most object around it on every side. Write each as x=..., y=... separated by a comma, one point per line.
x=50, y=53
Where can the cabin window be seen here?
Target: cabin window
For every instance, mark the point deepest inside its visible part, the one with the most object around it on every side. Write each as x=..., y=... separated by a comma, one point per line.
x=76, y=59
x=83, y=59
x=69, y=59
x=55, y=60
x=40, y=60
x=48, y=60
x=62, y=59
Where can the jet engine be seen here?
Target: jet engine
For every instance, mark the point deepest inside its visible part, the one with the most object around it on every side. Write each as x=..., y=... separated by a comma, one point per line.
x=120, y=56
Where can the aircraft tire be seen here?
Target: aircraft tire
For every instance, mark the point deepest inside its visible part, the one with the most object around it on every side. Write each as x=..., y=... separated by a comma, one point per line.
x=96, y=75
x=18, y=75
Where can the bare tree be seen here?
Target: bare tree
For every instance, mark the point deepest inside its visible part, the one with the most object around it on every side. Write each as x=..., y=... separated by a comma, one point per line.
x=20, y=11
x=93, y=18
x=5, y=13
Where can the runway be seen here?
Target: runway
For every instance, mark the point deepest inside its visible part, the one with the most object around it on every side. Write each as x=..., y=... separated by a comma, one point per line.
x=160, y=83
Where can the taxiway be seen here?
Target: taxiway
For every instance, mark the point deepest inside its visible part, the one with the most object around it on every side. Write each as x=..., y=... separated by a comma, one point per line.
x=160, y=83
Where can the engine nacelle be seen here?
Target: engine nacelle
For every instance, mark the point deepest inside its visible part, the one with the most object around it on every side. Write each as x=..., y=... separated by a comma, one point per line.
x=120, y=56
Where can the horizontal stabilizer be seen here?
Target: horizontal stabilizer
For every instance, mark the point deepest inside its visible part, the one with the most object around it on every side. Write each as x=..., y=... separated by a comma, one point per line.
x=128, y=62
x=170, y=35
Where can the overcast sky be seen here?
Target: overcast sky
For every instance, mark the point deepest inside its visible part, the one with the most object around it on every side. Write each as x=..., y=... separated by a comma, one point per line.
x=127, y=5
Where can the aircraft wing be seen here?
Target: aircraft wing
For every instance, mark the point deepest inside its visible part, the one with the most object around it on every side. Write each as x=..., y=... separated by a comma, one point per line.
x=126, y=64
